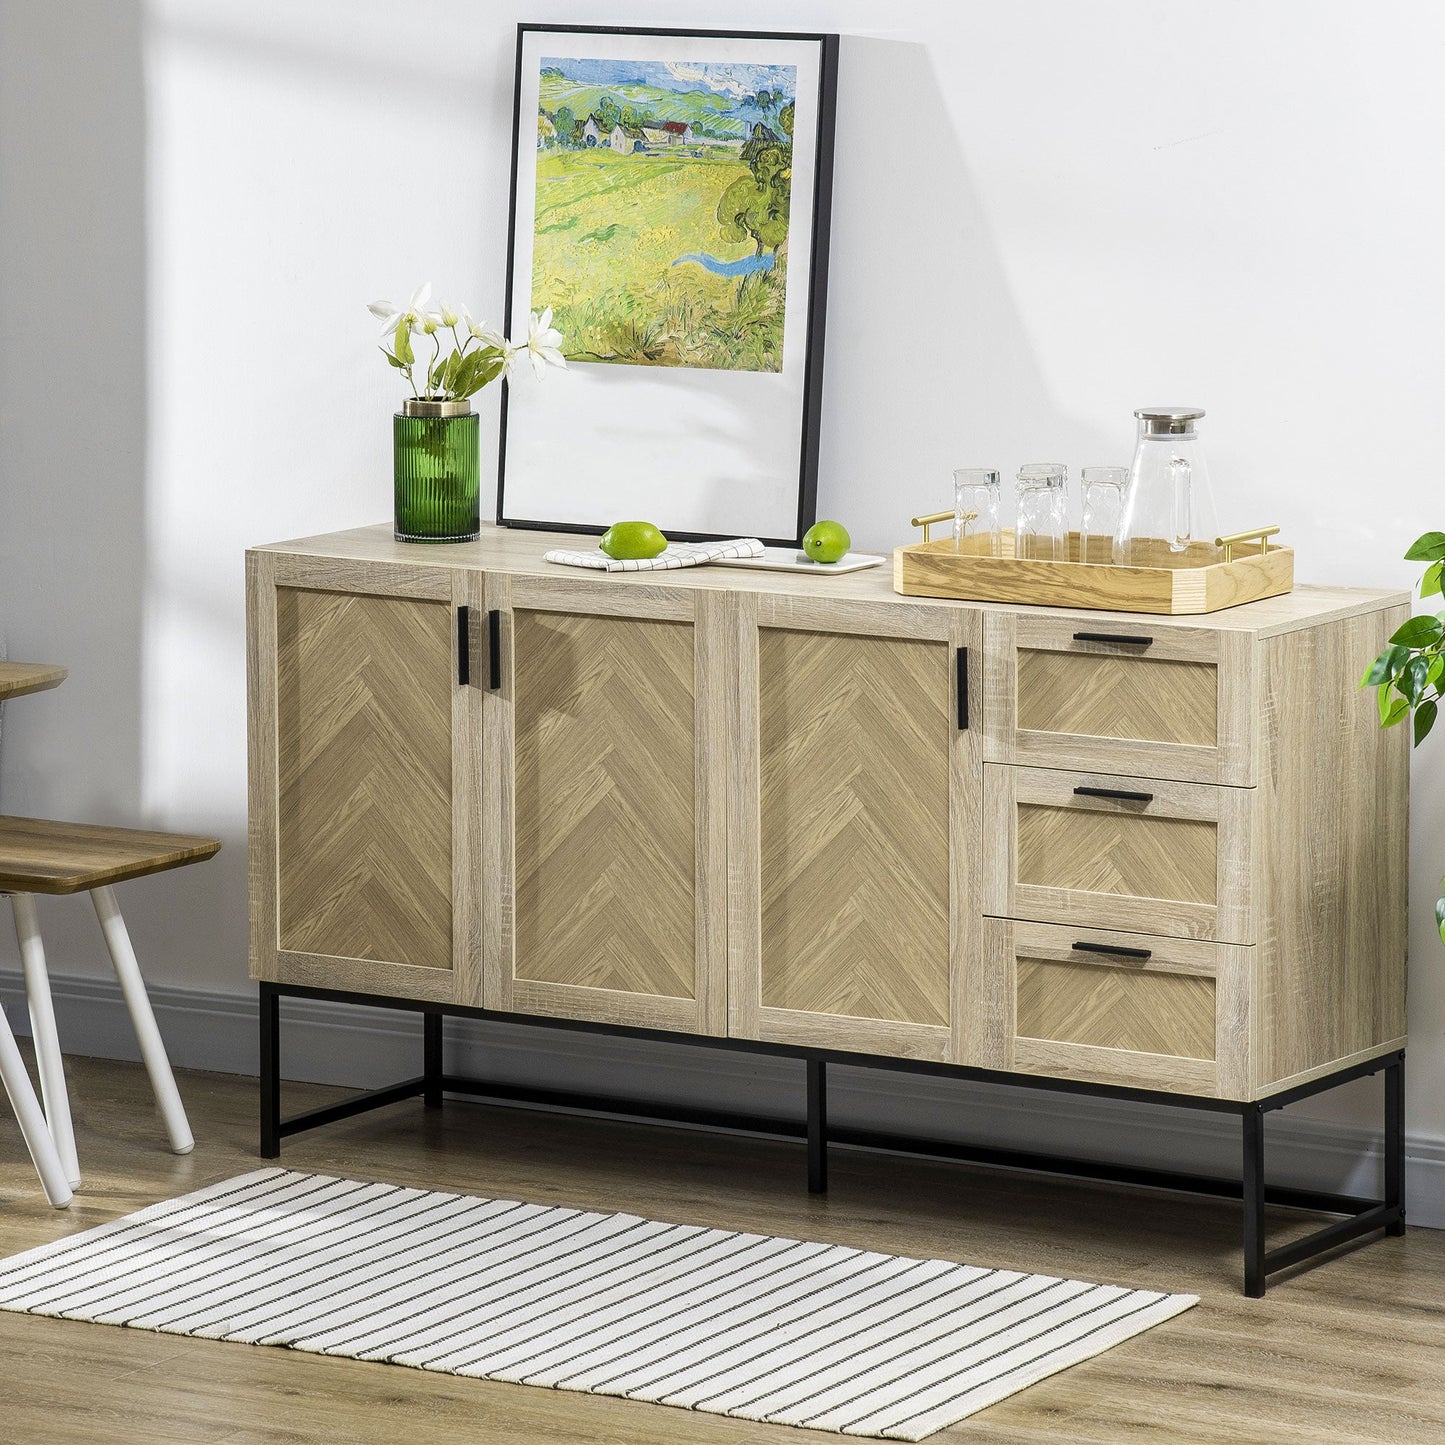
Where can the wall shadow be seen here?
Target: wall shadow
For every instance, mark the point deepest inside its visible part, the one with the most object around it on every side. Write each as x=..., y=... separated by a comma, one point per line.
x=73, y=406
x=930, y=364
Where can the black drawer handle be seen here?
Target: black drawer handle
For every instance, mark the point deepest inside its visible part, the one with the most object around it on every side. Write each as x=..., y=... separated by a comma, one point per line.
x=961, y=662
x=464, y=646
x=494, y=649
x=1113, y=637
x=1122, y=794
x=1115, y=950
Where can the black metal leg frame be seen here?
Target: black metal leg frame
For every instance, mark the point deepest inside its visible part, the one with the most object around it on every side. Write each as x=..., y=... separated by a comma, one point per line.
x=1359, y=1216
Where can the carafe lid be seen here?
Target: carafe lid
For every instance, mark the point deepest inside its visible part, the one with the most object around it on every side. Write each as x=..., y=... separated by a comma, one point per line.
x=1169, y=421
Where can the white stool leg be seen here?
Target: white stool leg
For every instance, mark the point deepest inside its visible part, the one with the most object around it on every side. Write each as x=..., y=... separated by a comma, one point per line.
x=42, y=1032
x=32, y=1121
x=152, y=1050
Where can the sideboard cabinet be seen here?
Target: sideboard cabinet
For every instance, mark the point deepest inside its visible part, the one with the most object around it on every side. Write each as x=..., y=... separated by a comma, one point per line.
x=1152, y=853
x=1168, y=853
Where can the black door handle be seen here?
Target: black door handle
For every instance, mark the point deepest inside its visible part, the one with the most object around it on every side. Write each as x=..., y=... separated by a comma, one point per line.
x=1113, y=637
x=494, y=650
x=1123, y=794
x=961, y=662
x=464, y=646
x=1115, y=949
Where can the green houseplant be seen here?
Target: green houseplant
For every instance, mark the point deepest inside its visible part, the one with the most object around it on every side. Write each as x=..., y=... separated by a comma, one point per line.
x=1407, y=675
x=437, y=465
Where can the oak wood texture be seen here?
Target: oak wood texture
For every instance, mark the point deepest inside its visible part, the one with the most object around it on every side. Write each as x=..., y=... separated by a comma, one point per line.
x=789, y=924
x=1347, y=1354
x=1113, y=1007
x=854, y=795
x=1176, y=704
x=517, y=553
x=1178, y=1020
x=852, y=878
x=1333, y=858
x=364, y=795
x=1178, y=864
x=937, y=569
x=364, y=802
x=19, y=678
x=613, y=821
x=40, y=855
x=606, y=863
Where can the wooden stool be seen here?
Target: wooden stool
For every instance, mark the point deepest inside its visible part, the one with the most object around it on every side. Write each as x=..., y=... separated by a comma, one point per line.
x=40, y=856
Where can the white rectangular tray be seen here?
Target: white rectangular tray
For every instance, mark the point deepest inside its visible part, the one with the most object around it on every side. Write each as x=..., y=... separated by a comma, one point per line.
x=790, y=559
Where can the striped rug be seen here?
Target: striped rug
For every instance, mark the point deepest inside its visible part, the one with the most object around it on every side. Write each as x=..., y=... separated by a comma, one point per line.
x=789, y=1331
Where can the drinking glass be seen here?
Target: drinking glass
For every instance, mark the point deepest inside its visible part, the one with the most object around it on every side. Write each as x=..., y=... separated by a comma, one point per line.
x=976, y=492
x=1103, y=492
x=1043, y=503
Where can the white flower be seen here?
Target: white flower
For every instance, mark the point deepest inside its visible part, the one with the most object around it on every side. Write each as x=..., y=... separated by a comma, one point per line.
x=543, y=339
x=482, y=332
x=412, y=314
x=446, y=315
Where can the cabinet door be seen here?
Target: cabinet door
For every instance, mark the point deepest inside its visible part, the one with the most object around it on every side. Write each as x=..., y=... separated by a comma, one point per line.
x=604, y=818
x=364, y=750
x=854, y=831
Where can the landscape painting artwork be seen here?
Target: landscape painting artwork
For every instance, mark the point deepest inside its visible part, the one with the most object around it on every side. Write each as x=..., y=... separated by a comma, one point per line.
x=663, y=195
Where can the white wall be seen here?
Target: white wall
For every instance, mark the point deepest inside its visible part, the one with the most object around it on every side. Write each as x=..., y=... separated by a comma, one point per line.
x=1067, y=210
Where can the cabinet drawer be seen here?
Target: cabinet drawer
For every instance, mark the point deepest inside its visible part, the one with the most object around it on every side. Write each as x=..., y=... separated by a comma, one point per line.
x=1137, y=697
x=1118, y=852
x=1121, y=1008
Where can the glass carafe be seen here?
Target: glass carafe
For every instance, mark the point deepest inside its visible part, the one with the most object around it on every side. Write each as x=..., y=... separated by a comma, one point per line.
x=1168, y=518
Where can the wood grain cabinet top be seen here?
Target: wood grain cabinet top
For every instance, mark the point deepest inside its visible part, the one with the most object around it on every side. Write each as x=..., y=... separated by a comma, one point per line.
x=1162, y=852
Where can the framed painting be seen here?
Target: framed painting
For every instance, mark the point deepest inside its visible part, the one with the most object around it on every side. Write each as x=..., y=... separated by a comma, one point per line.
x=670, y=206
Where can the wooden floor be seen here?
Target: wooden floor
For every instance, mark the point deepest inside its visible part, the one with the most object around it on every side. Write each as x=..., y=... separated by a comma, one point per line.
x=1348, y=1352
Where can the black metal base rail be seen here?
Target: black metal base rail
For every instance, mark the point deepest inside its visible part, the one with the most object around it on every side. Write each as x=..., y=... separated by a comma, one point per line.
x=1360, y=1216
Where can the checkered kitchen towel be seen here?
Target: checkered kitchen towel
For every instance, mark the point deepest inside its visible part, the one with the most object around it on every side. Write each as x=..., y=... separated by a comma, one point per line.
x=675, y=555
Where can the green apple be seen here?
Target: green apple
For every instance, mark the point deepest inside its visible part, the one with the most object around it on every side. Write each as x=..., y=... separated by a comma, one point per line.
x=632, y=541
x=826, y=542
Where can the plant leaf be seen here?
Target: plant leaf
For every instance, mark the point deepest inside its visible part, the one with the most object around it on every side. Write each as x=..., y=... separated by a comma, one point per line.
x=461, y=378
x=402, y=344
x=1420, y=631
x=1392, y=709
x=399, y=366
x=1430, y=583
x=485, y=366
x=1385, y=666
x=1411, y=681
x=1424, y=720
x=449, y=372
x=1429, y=548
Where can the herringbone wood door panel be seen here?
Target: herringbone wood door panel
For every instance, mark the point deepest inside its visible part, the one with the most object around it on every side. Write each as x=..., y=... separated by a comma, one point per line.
x=854, y=824
x=1118, y=697
x=1116, y=1008
x=365, y=776
x=1127, y=854
x=606, y=842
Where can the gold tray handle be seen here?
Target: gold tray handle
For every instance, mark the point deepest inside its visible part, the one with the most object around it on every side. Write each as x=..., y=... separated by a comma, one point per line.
x=1259, y=534
x=934, y=518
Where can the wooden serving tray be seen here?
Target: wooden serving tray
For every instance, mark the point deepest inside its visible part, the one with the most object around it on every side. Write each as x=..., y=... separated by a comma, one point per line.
x=1181, y=583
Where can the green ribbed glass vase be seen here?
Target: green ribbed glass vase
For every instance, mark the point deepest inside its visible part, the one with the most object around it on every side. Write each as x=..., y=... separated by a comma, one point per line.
x=438, y=472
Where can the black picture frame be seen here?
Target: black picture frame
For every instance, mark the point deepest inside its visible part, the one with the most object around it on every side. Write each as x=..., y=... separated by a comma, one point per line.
x=809, y=419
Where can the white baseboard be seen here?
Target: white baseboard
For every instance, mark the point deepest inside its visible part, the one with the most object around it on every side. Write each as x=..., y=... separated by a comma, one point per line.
x=331, y=1043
